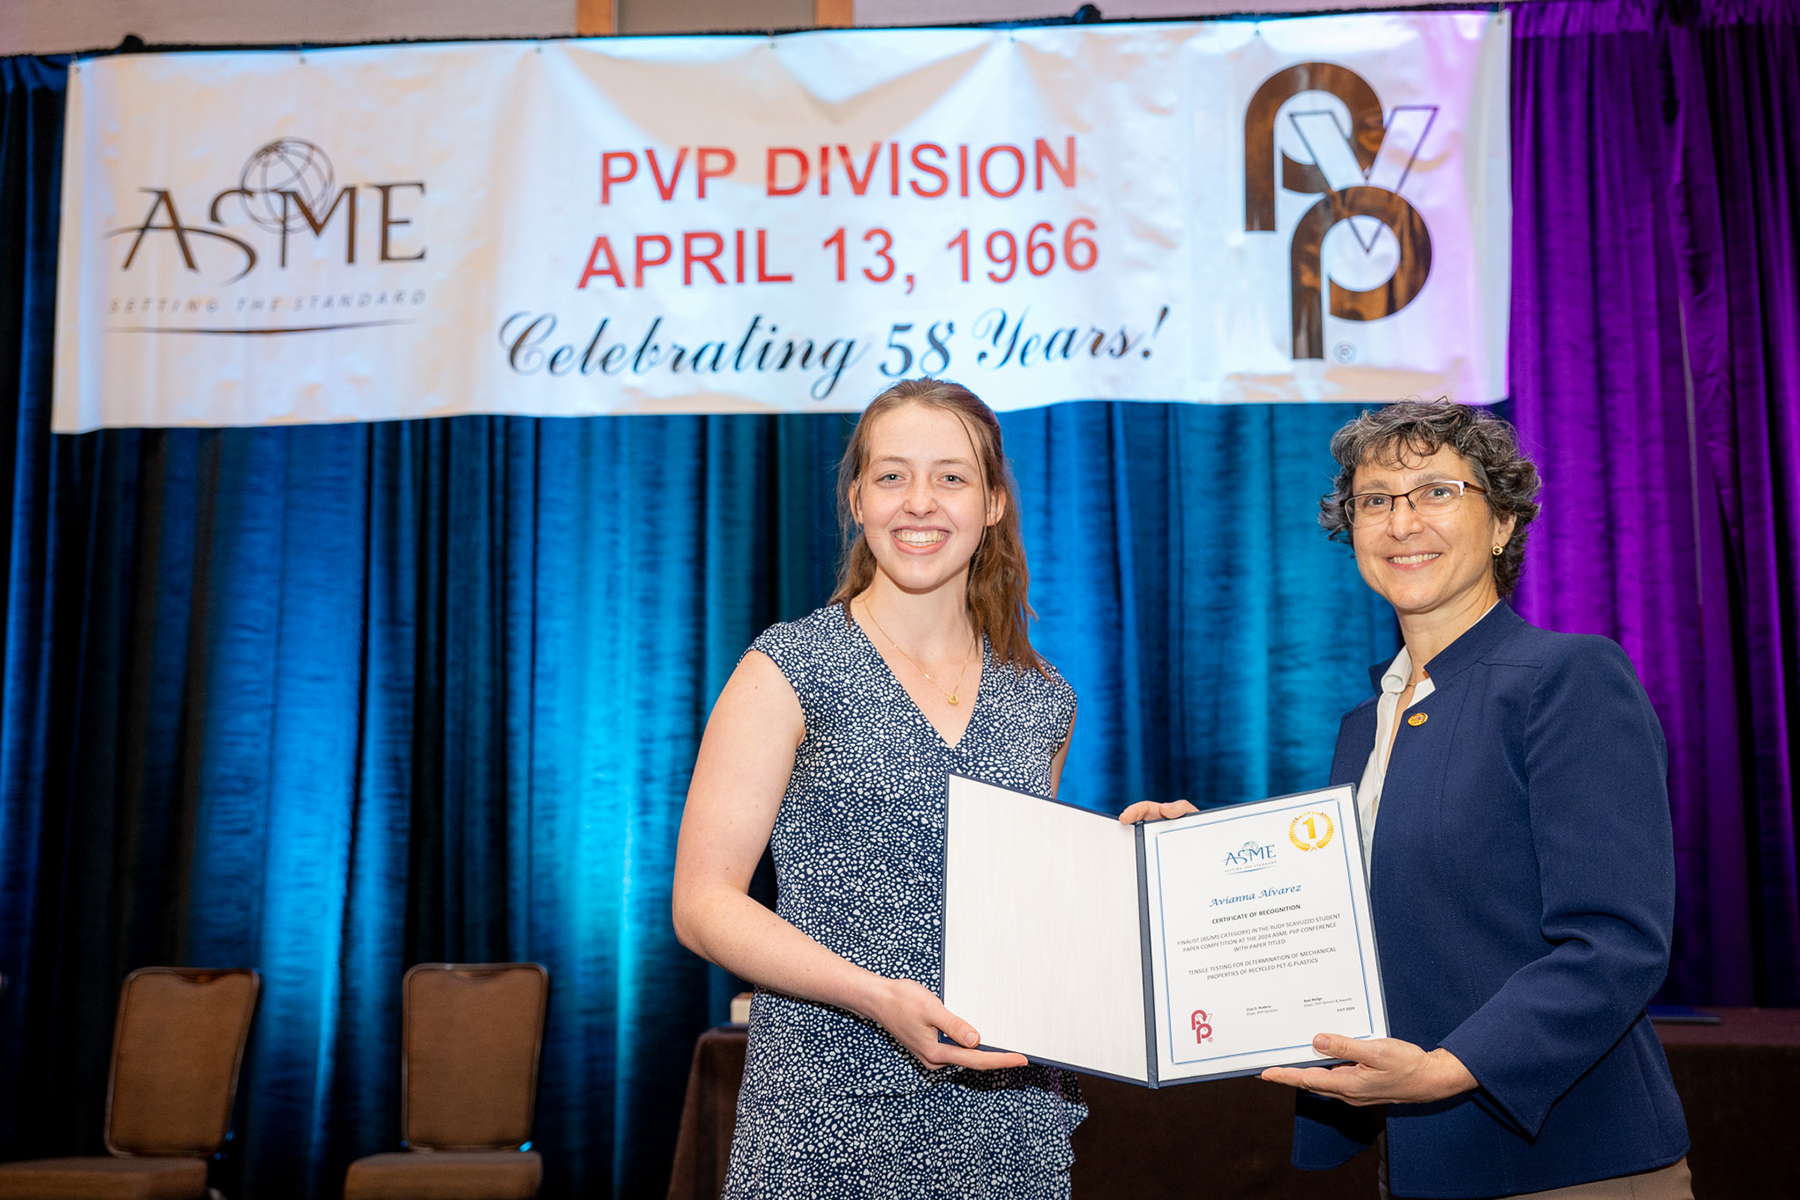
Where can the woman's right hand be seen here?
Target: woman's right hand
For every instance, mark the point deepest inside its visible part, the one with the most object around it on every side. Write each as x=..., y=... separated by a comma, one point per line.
x=913, y=1015
x=1152, y=810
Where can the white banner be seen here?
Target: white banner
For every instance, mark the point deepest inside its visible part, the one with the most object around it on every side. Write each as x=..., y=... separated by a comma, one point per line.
x=1306, y=209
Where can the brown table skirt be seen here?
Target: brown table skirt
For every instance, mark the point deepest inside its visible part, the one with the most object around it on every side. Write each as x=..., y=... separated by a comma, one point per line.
x=1229, y=1139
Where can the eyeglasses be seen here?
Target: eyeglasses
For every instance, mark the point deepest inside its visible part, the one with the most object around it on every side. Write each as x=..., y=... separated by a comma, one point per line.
x=1433, y=499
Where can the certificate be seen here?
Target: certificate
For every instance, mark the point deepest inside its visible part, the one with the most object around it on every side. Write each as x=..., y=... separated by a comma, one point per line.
x=1168, y=952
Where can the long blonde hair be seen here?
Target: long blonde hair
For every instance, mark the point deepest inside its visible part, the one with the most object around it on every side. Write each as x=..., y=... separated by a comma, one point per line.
x=998, y=579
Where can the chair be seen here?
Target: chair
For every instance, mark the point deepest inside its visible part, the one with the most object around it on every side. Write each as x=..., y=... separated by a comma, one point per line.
x=469, y=1045
x=177, y=1046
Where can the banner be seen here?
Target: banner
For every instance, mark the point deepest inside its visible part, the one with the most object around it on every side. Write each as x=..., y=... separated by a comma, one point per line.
x=1301, y=209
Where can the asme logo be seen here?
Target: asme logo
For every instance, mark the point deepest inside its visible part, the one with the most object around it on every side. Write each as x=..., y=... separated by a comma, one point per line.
x=1251, y=857
x=1359, y=172
x=287, y=188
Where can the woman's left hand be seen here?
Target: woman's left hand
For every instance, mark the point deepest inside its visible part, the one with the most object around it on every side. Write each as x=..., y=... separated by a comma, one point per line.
x=1380, y=1071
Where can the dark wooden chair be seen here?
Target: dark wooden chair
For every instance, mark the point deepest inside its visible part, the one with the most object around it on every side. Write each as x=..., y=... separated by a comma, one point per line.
x=471, y=1035
x=177, y=1047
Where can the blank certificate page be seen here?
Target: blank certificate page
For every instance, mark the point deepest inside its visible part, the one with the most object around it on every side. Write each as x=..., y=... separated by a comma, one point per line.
x=1042, y=939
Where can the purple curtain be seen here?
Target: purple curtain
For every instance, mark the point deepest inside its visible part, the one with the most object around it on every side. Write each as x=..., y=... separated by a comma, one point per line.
x=1656, y=375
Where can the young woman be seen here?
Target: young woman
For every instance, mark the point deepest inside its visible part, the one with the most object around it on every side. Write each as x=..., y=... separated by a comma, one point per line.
x=832, y=745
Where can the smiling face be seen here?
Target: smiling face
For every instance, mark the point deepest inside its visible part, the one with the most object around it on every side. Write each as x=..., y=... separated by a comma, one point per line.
x=1441, y=566
x=919, y=500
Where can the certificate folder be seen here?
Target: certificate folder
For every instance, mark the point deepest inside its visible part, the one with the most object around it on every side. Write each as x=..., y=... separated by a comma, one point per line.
x=1162, y=953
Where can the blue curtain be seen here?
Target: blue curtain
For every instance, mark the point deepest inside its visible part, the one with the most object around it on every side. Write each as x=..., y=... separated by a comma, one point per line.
x=328, y=701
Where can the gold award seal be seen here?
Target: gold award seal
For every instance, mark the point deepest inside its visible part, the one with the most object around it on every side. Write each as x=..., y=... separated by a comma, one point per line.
x=1311, y=830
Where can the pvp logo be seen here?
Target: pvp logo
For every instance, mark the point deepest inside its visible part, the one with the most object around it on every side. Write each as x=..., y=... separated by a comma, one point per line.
x=1358, y=172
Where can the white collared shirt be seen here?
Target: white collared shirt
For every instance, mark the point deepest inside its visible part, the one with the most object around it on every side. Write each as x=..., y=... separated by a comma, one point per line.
x=1393, y=682
x=1368, y=793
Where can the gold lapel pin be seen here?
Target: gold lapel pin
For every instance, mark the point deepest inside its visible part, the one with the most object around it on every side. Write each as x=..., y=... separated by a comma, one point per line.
x=1416, y=719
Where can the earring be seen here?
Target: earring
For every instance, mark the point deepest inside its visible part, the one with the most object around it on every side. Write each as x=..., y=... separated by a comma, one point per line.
x=1499, y=550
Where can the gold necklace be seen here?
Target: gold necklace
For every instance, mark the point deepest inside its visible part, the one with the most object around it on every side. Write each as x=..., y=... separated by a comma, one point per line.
x=949, y=695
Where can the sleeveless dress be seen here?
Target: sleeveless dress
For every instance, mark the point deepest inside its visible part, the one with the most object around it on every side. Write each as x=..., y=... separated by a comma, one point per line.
x=831, y=1105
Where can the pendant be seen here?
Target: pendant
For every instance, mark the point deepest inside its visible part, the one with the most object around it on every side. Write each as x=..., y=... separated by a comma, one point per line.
x=953, y=699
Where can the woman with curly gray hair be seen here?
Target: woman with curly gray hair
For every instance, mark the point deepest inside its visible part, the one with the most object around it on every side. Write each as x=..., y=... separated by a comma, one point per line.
x=1510, y=784
x=1521, y=865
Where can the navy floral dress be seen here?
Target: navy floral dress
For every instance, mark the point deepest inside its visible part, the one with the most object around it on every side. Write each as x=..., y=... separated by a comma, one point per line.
x=831, y=1105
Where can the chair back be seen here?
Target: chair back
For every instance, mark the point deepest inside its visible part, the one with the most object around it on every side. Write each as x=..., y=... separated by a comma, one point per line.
x=471, y=1036
x=177, y=1048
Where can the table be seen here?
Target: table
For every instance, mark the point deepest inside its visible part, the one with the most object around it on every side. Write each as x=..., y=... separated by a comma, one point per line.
x=1735, y=1080
x=1737, y=1085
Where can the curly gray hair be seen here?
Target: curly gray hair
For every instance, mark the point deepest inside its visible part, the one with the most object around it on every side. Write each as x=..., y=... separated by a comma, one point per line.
x=1421, y=428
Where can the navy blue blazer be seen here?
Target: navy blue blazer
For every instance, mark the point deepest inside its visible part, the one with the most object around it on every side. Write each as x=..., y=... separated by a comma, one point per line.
x=1523, y=897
